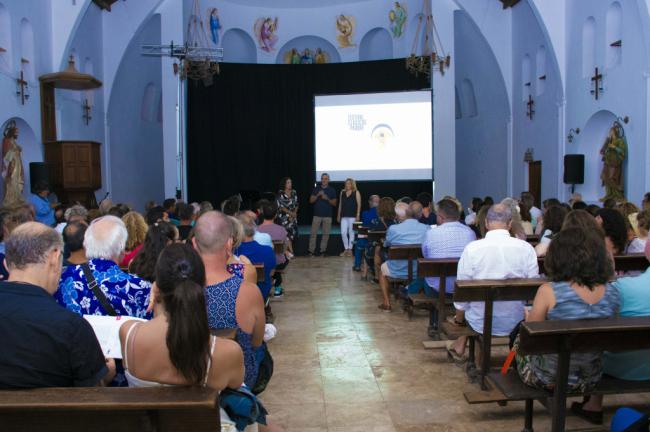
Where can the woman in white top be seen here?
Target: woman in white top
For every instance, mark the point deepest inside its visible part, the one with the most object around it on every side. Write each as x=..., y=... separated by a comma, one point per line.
x=175, y=347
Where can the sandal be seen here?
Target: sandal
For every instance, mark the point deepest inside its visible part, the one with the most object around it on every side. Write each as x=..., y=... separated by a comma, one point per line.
x=385, y=308
x=594, y=417
x=452, y=320
x=452, y=355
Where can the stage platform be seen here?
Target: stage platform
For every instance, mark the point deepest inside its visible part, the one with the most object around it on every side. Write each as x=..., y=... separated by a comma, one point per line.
x=334, y=245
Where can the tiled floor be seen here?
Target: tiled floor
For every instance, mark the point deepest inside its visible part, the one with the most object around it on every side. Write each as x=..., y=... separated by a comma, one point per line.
x=342, y=365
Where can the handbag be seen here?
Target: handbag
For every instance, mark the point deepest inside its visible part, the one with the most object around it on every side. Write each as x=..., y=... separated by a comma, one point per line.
x=94, y=287
x=265, y=370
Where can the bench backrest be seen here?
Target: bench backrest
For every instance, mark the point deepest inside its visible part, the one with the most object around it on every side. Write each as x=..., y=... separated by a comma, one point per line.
x=629, y=262
x=259, y=268
x=438, y=267
x=408, y=253
x=497, y=290
x=375, y=236
x=193, y=409
x=278, y=246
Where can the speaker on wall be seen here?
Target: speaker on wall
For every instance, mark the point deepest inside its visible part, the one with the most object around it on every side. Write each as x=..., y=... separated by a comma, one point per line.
x=574, y=169
x=38, y=171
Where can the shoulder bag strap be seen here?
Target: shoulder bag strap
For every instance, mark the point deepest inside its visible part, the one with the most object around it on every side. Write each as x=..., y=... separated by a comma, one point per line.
x=99, y=294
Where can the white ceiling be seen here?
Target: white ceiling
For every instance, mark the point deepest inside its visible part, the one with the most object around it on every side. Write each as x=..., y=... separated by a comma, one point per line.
x=284, y=4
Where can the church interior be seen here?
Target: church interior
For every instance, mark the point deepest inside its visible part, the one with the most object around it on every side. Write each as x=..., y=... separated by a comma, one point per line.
x=337, y=125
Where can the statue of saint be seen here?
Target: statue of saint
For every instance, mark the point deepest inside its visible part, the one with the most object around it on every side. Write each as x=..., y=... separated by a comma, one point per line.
x=12, y=166
x=613, y=153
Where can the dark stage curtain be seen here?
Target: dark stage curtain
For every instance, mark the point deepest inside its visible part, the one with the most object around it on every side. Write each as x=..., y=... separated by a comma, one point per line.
x=255, y=124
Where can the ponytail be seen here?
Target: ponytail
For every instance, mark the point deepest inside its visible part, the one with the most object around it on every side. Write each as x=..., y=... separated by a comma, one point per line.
x=188, y=334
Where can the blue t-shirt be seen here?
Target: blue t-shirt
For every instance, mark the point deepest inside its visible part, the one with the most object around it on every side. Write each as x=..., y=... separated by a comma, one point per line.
x=322, y=207
x=259, y=254
x=43, y=209
x=368, y=217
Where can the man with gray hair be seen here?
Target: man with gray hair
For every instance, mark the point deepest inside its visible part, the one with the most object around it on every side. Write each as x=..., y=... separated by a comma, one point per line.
x=100, y=287
x=76, y=213
x=497, y=256
x=407, y=231
x=44, y=345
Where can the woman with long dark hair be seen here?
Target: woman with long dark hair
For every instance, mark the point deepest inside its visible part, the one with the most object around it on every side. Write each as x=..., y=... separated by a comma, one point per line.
x=288, y=211
x=159, y=235
x=175, y=347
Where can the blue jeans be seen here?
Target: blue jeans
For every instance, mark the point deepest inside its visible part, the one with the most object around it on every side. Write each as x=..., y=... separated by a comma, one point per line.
x=359, y=247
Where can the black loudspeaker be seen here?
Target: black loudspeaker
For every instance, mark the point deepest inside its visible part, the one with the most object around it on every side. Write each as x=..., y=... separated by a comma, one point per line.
x=38, y=171
x=574, y=169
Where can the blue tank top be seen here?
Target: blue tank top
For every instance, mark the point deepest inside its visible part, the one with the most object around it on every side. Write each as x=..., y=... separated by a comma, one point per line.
x=221, y=301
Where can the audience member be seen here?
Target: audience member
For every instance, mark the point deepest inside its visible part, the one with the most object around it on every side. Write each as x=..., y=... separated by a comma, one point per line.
x=76, y=213
x=579, y=205
x=580, y=269
x=593, y=209
x=528, y=199
x=628, y=365
x=43, y=345
x=516, y=228
x=93, y=214
x=256, y=253
x=206, y=206
x=44, y=211
x=12, y=217
x=405, y=200
x=170, y=208
x=575, y=197
x=235, y=307
x=287, y=199
x=119, y=210
x=643, y=224
x=323, y=198
x=156, y=214
x=428, y=215
x=261, y=237
x=613, y=223
x=136, y=229
x=159, y=235
x=367, y=218
x=526, y=219
x=278, y=234
x=121, y=293
x=104, y=206
x=488, y=201
x=149, y=205
x=479, y=227
x=552, y=223
x=73, y=239
x=239, y=265
x=473, y=210
x=386, y=218
x=645, y=203
x=583, y=220
x=609, y=203
x=232, y=205
x=175, y=347
x=447, y=240
x=348, y=213
x=184, y=213
x=408, y=231
x=497, y=256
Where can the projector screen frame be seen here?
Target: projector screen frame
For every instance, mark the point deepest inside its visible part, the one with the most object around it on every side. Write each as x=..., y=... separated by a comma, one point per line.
x=427, y=89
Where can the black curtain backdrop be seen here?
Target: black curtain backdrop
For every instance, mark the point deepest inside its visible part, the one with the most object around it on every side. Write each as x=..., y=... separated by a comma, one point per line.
x=255, y=125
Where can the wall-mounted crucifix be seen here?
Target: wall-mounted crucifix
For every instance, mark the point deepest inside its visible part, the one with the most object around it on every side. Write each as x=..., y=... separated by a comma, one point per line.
x=597, y=81
x=530, y=112
x=22, y=88
x=86, y=107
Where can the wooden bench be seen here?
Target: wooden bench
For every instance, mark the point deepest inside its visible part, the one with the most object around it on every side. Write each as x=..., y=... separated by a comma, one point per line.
x=622, y=263
x=490, y=291
x=409, y=253
x=279, y=247
x=259, y=268
x=363, y=231
x=376, y=236
x=356, y=226
x=532, y=239
x=563, y=338
x=441, y=268
x=104, y=409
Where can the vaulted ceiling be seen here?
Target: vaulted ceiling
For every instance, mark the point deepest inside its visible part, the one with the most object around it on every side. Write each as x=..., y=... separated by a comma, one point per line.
x=283, y=4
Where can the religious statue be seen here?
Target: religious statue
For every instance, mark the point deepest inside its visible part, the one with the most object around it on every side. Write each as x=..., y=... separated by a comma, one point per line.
x=397, y=19
x=321, y=56
x=12, y=166
x=306, y=58
x=265, y=29
x=614, y=152
x=215, y=25
x=345, y=28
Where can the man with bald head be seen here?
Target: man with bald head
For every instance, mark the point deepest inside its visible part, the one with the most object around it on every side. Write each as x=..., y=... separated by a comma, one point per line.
x=407, y=232
x=43, y=345
x=235, y=307
x=497, y=256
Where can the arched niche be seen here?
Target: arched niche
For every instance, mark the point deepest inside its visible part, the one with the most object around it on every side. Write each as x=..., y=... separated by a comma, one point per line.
x=540, y=70
x=526, y=77
x=469, y=99
x=588, y=47
x=614, y=35
x=589, y=142
x=150, y=103
x=27, y=58
x=238, y=47
x=5, y=39
x=377, y=44
x=32, y=149
x=312, y=42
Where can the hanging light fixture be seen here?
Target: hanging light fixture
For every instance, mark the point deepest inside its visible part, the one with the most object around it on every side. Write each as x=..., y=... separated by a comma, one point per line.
x=429, y=54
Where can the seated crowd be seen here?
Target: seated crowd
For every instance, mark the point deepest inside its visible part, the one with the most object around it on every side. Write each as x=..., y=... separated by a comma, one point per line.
x=185, y=273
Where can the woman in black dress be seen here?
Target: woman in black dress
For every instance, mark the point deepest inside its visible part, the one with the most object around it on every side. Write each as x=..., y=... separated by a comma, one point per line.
x=288, y=211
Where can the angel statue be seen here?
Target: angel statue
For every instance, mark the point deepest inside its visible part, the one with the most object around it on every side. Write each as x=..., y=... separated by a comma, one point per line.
x=614, y=152
x=292, y=56
x=397, y=19
x=306, y=58
x=12, y=166
x=345, y=28
x=215, y=25
x=321, y=57
x=264, y=30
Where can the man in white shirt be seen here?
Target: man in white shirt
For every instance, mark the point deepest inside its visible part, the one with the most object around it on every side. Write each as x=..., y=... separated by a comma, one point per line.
x=497, y=256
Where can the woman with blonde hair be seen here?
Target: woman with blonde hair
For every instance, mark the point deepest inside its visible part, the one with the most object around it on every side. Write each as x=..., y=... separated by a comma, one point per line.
x=136, y=228
x=349, y=211
x=240, y=266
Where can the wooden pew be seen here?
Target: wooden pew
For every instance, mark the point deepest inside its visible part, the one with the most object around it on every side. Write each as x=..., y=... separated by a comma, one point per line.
x=622, y=263
x=376, y=236
x=490, y=291
x=409, y=253
x=356, y=225
x=279, y=247
x=104, y=409
x=363, y=231
x=563, y=338
x=259, y=268
x=441, y=268
x=532, y=239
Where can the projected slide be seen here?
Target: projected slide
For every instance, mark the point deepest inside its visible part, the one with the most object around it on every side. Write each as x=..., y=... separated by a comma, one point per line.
x=375, y=136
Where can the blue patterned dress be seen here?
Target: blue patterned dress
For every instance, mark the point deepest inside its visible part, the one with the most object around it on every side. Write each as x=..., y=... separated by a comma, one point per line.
x=221, y=300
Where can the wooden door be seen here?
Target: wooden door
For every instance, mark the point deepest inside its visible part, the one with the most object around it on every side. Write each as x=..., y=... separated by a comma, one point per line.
x=535, y=181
